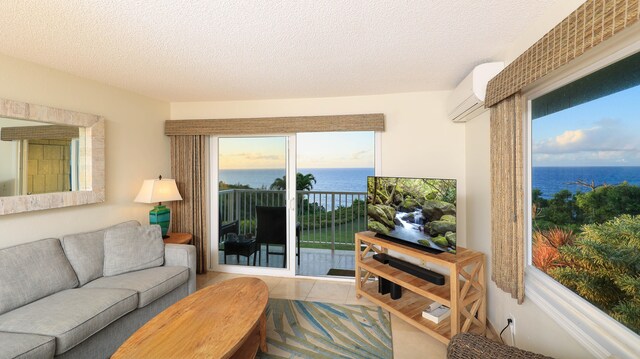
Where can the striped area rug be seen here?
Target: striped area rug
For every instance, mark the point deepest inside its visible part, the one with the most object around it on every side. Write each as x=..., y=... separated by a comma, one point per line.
x=300, y=329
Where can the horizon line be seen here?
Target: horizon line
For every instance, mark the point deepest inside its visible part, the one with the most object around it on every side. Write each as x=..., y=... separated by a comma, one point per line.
x=618, y=165
x=280, y=168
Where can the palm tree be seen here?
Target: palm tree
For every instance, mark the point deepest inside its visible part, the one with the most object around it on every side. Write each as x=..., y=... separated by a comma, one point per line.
x=303, y=182
x=279, y=183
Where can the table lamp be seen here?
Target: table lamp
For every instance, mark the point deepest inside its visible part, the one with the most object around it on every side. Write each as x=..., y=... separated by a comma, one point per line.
x=159, y=190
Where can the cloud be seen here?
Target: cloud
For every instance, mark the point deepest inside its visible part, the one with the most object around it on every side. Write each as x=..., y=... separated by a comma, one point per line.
x=607, y=142
x=569, y=137
x=360, y=154
x=607, y=136
x=255, y=156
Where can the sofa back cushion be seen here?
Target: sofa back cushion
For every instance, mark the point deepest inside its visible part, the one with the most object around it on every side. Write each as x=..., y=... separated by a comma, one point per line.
x=32, y=271
x=133, y=248
x=85, y=251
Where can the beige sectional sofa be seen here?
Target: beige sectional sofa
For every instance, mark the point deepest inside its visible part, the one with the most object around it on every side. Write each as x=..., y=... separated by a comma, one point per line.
x=83, y=295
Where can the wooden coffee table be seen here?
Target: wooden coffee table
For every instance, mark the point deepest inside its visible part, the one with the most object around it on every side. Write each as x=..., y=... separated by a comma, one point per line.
x=225, y=320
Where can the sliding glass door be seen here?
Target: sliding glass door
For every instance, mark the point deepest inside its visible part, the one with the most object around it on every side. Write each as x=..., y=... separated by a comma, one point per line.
x=253, y=202
x=289, y=204
x=332, y=170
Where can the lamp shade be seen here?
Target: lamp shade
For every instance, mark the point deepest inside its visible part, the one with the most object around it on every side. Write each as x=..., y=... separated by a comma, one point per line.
x=158, y=190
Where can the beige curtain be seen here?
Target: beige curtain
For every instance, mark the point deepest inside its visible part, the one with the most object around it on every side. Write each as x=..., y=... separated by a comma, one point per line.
x=189, y=168
x=507, y=193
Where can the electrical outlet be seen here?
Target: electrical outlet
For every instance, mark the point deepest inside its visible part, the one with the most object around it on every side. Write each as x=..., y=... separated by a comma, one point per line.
x=512, y=325
x=511, y=321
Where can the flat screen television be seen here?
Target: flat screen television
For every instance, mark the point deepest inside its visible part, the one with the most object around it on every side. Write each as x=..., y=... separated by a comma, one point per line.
x=418, y=212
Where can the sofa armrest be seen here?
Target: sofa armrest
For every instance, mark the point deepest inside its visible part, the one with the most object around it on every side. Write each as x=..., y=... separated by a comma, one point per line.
x=182, y=255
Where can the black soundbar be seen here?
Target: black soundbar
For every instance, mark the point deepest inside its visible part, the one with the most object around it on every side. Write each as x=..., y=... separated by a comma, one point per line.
x=428, y=275
x=382, y=258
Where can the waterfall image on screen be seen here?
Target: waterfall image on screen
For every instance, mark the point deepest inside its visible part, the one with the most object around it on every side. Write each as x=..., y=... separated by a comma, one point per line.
x=419, y=212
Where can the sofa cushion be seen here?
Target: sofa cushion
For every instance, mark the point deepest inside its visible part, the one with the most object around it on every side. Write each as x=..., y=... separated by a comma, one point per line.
x=71, y=316
x=150, y=284
x=26, y=346
x=132, y=248
x=32, y=271
x=85, y=251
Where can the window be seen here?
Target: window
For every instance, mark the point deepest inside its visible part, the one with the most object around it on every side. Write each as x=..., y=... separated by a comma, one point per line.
x=585, y=205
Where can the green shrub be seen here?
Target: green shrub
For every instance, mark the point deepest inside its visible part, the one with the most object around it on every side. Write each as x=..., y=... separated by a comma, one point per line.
x=606, y=202
x=603, y=266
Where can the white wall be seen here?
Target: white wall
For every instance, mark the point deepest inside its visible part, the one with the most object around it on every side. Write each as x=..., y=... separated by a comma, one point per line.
x=135, y=148
x=418, y=141
x=535, y=330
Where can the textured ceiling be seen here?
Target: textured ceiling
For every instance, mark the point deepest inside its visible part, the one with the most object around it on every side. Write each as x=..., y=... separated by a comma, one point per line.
x=178, y=50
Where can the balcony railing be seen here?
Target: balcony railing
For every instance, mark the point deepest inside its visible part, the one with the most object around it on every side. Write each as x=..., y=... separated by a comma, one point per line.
x=326, y=219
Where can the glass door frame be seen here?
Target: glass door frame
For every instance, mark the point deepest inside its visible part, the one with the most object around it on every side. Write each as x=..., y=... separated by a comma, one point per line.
x=290, y=166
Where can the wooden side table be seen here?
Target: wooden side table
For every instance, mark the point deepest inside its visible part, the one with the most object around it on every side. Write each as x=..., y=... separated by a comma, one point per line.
x=241, y=247
x=178, y=238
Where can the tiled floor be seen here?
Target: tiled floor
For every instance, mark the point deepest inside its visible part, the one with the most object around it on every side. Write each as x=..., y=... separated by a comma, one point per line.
x=313, y=262
x=317, y=262
x=408, y=342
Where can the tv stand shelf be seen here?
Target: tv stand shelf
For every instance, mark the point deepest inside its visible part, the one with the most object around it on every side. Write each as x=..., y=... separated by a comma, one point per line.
x=464, y=290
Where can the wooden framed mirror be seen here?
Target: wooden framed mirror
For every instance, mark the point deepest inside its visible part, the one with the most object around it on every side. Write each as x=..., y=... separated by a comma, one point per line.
x=51, y=157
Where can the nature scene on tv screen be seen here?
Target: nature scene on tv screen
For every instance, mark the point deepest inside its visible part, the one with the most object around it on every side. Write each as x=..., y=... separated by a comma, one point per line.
x=585, y=181
x=420, y=211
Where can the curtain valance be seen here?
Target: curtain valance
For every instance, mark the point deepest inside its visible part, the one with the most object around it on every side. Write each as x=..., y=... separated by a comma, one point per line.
x=50, y=132
x=591, y=24
x=271, y=125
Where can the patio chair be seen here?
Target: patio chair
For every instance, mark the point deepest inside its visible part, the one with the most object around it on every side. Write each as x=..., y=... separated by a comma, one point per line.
x=224, y=229
x=232, y=246
x=272, y=230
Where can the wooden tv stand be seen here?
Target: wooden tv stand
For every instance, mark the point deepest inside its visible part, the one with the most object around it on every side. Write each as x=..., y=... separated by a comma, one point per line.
x=464, y=290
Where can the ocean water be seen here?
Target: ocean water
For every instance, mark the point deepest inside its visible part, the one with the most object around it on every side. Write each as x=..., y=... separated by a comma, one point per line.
x=254, y=178
x=327, y=179
x=551, y=180
x=339, y=179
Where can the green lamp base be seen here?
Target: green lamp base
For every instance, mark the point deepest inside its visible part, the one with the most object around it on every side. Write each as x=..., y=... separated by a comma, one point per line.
x=160, y=215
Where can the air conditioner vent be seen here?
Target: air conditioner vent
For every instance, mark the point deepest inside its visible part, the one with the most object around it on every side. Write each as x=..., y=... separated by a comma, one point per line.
x=467, y=100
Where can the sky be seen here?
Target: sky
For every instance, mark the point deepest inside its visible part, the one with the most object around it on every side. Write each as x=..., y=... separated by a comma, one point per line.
x=314, y=150
x=602, y=132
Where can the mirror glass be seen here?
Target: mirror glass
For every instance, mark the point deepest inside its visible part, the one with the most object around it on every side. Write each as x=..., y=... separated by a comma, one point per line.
x=41, y=158
x=49, y=157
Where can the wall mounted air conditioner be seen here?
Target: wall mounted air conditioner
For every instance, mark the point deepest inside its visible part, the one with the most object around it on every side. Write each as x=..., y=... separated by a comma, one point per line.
x=467, y=100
